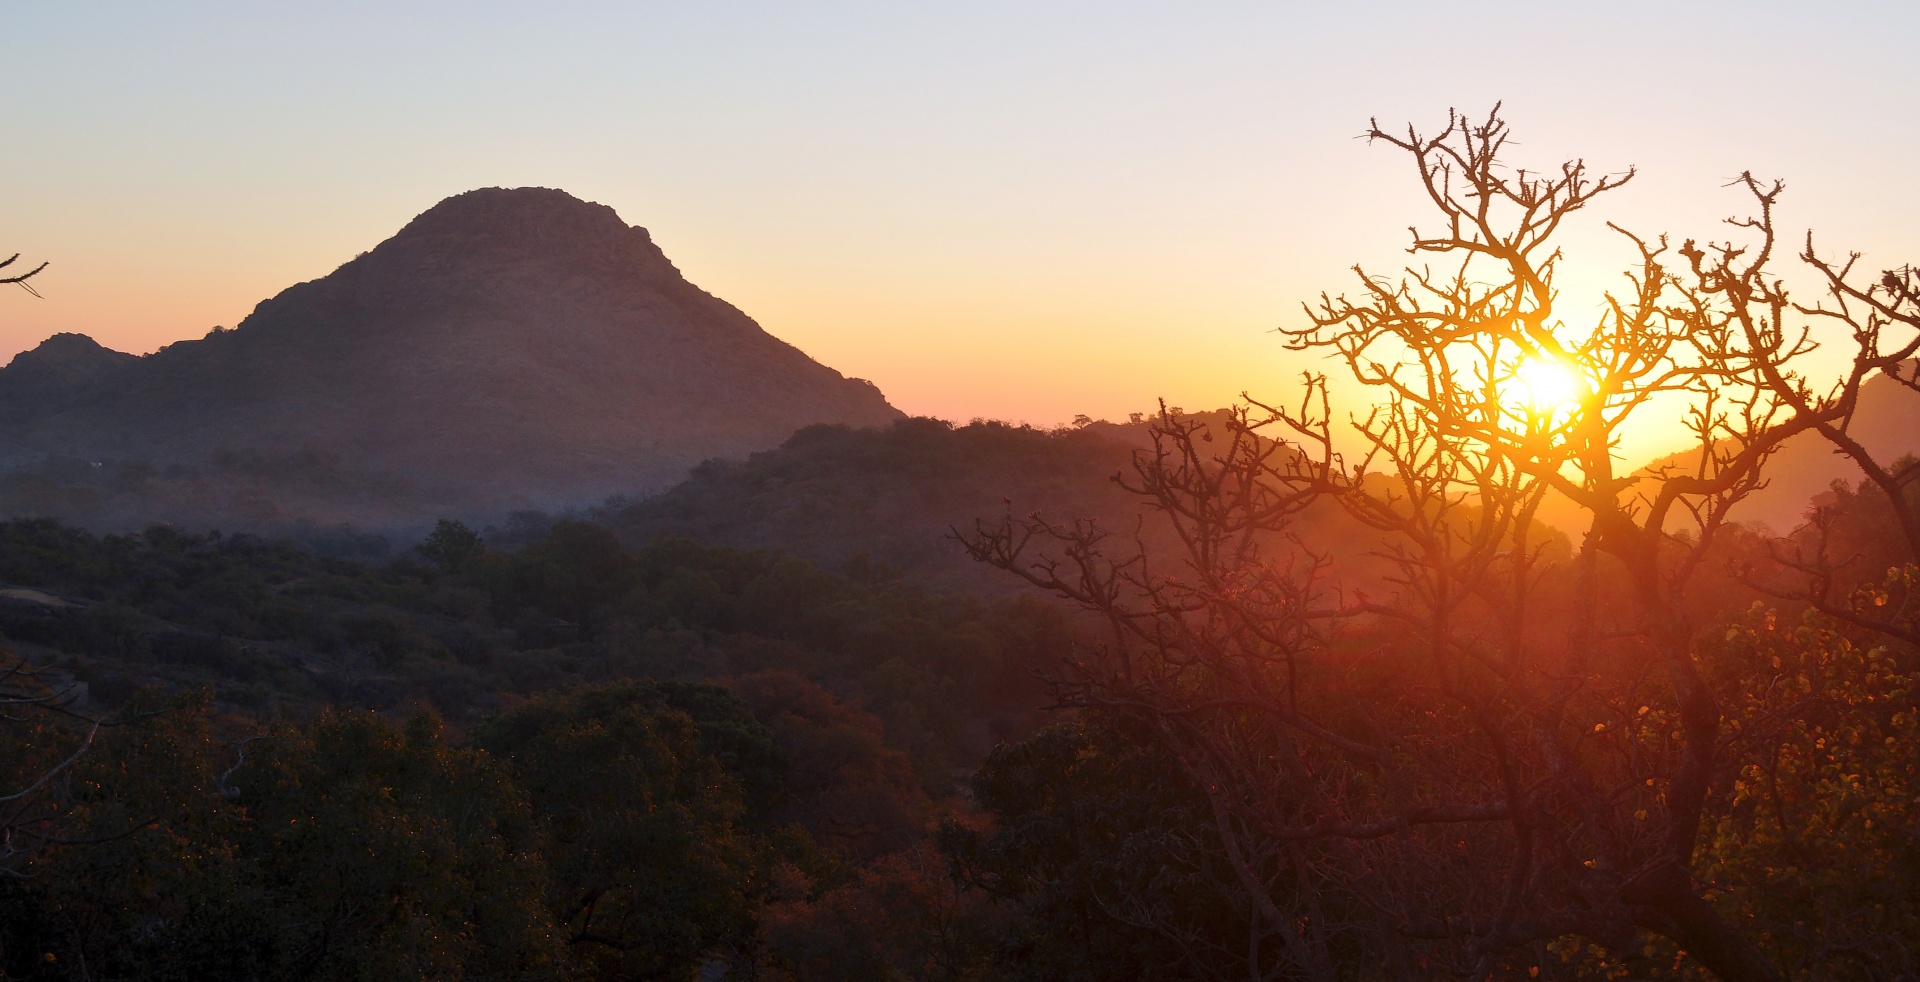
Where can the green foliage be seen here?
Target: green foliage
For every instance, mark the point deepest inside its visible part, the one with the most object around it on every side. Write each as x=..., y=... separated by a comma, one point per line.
x=1812, y=845
x=882, y=501
x=573, y=573
x=650, y=869
x=270, y=624
x=625, y=829
x=159, y=892
x=348, y=848
x=406, y=857
x=452, y=546
x=1816, y=847
x=841, y=782
x=900, y=918
x=384, y=636
x=1104, y=848
x=594, y=825
x=628, y=830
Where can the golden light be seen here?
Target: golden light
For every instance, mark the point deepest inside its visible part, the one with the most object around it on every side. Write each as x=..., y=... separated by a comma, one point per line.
x=1548, y=386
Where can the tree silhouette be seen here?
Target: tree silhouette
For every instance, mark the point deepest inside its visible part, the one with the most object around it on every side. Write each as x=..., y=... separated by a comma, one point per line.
x=19, y=279
x=1504, y=741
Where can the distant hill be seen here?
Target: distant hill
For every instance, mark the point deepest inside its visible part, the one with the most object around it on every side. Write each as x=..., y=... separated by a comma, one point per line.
x=887, y=497
x=507, y=347
x=63, y=368
x=1799, y=475
x=879, y=499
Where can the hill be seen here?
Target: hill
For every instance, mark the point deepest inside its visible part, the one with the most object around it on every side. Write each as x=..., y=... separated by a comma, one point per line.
x=1799, y=476
x=887, y=499
x=1801, y=473
x=836, y=495
x=61, y=368
x=507, y=346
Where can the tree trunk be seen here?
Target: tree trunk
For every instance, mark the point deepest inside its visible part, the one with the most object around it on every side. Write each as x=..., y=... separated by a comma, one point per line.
x=1666, y=904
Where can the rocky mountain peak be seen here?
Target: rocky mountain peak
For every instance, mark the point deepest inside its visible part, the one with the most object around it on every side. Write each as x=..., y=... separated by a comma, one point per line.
x=541, y=225
x=65, y=353
x=522, y=218
x=58, y=366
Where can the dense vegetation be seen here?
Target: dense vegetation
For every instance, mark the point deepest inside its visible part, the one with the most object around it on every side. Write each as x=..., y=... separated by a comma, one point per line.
x=830, y=492
x=508, y=803
x=504, y=801
x=892, y=497
x=273, y=628
x=1665, y=747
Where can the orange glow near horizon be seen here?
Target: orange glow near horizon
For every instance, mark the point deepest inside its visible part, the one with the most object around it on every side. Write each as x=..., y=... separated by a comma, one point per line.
x=1010, y=211
x=1031, y=353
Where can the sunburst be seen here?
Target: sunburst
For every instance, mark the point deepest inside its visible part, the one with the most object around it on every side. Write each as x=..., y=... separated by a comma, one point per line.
x=1548, y=387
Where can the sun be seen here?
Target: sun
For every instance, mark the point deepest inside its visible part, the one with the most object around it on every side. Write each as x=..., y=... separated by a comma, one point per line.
x=1548, y=386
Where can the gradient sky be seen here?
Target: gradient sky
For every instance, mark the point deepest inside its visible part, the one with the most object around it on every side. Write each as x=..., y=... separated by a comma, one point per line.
x=1013, y=210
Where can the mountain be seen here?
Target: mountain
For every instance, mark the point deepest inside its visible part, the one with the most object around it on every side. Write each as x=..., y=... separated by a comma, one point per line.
x=508, y=346
x=62, y=367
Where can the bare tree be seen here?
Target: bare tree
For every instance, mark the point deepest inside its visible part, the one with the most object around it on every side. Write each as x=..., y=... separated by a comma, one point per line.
x=1507, y=740
x=19, y=279
x=1875, y=317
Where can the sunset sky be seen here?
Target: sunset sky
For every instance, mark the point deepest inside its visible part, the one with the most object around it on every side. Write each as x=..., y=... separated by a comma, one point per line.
x=1013, y=210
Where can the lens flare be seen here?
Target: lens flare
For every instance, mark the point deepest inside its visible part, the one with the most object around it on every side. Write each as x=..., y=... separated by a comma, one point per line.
x=1547, y=386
